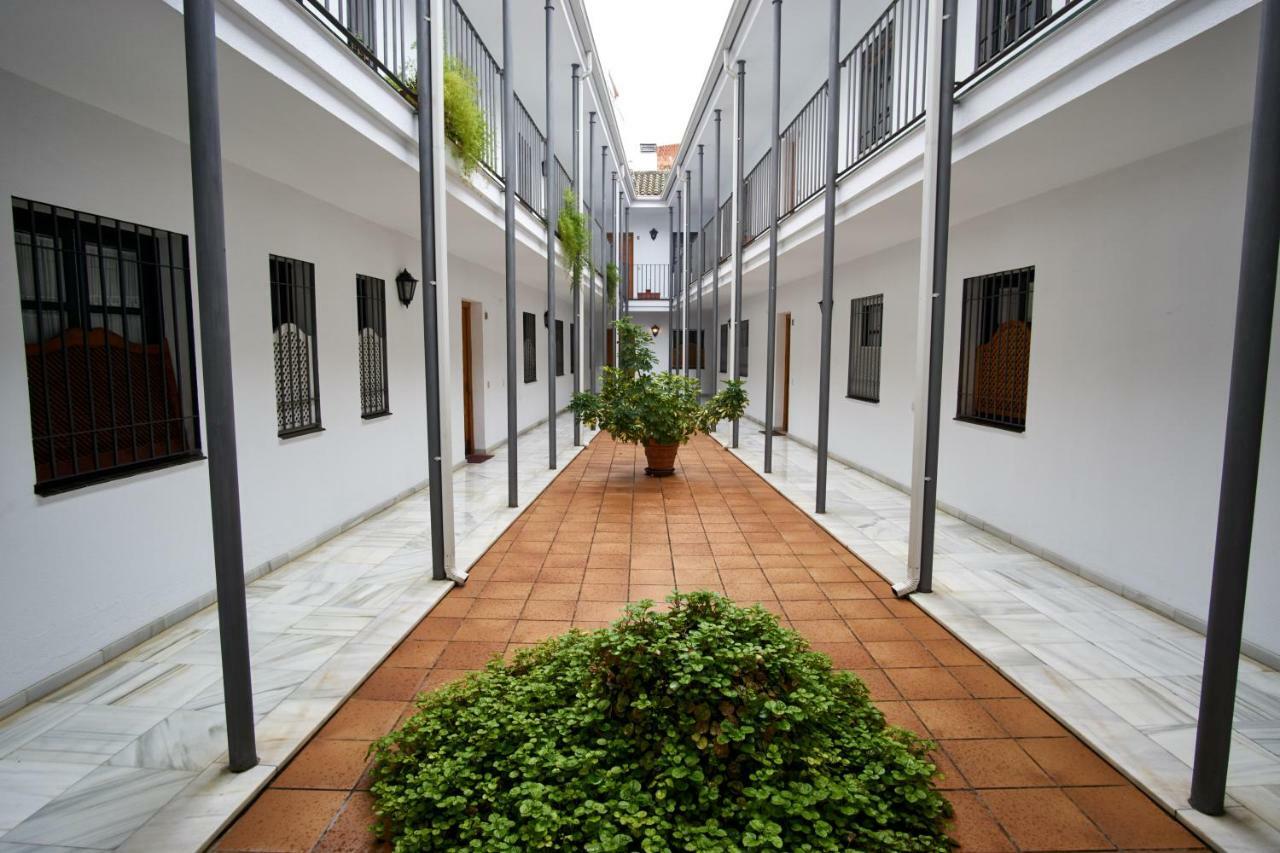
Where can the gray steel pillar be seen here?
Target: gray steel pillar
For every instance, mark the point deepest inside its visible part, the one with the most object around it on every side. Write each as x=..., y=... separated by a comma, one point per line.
x=578, y=330
x=740, y=211
x=589, y=364
x=1255, y=310
x=509, y=225
x=775, y=170
x=548, y=174
x=671, y=286
x=702, y=263
x=603, y=332
x=430, y=298
x=614, y=223
x=686, y=275
x=942, y=222
x=828, y=251
x=219, y=396
x=631, y=259
x=715, y=272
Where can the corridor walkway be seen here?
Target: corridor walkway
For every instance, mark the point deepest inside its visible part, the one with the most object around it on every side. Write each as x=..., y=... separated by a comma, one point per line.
x=1122, y=677
x=603, y=534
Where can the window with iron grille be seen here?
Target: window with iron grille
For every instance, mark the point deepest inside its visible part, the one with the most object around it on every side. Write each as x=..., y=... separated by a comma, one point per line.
x=107, y=327
x=371, y=326
x=724, y=348
x=559, y=347
x=1002, y=22
x=677, y=349
x=995, y=348
x=297, y=358
x=875, y=88
x=530, y=348
x=866, y=320
x=573, y=347
x=744, y=329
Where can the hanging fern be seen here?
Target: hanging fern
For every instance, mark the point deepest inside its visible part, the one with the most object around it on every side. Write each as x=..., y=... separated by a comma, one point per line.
x=465, y=127
x=574, y=238
x=611, y=283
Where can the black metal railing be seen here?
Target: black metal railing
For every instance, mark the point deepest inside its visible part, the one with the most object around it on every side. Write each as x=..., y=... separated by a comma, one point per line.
x=1003, y=23
x=707, y=253
x=380, y=32
x=649, y=282
x=882, y=80
x=756, y=200
x=464, y=46
x=531, y=151
x=803, y=145
x=726, y=228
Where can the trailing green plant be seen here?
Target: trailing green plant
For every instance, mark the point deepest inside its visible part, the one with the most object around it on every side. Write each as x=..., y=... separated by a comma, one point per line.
x=571, y=224
x=637, y=406
x=465, y=127
x=611, y=283
x=706, y=727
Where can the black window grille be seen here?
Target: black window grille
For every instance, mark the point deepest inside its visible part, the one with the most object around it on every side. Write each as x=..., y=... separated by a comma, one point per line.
x=724, y=348
x=677, y=349
x=559, y=347
x=530, y=348
x=297, y=358
x=995, y=348
x=107, y=327
x=1001, y=23
x=866, y=326
x=875, y=100
x=573, y=347
x=695, y=351
x=744, y=329
x=371, y=327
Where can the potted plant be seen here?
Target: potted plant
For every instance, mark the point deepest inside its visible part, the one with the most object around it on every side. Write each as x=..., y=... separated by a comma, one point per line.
x=660, y=411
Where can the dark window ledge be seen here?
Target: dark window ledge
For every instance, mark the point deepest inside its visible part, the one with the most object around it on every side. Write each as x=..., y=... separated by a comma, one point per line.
x=120, y=472
x=875, y=400
x=373, y=416
x=295, y=433
x=994, y=424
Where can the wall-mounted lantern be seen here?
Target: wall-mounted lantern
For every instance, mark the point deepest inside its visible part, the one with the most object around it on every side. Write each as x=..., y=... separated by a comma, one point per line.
x=653, y=330
x=406, y=284
x=653, y=233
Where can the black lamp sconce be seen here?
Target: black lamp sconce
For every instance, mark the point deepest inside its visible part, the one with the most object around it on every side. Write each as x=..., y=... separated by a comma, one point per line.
x=406, y=284
x=653, y=330
x=653, y=233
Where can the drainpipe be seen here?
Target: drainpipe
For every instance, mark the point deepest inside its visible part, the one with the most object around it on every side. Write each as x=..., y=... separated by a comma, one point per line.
x=685, y=274
x=576, y=343
x=548, y=170
x=219, y=396
x=828, y=253
x=589, y=366
x=509, y=224
x=934, y=225
x=1255, y=308
x=430, y=292
x=739, y=215
x=604, y=266
x=626, y=229
x=715, y=271
x=775, y=169
x=702, y=264
x=671, y=285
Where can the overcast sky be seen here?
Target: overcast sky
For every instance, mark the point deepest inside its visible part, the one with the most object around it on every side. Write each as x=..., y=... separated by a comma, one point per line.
x=656, y=68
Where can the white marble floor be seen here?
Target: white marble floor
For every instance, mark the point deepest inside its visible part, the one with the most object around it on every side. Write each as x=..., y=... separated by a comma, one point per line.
x=132, y=755
x=1123, y=678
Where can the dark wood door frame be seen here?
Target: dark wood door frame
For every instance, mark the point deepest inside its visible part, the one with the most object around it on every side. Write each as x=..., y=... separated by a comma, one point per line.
x=468, y=402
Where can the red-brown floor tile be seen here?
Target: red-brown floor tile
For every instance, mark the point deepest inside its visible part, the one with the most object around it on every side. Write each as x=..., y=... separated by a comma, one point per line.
x=283, y=821
x=1069, y=762
x=995, y=764
x=1043, y=819
x=1130, y=819
x=326, y=764
x=350, y=832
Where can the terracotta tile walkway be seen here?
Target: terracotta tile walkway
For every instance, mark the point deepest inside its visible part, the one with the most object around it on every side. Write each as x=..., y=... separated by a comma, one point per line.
x=603, y=534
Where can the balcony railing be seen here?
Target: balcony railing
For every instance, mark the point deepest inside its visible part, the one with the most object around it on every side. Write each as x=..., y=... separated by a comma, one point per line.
x=464, y=46
x=882, y=81
x=648, y=282
x=380, y=32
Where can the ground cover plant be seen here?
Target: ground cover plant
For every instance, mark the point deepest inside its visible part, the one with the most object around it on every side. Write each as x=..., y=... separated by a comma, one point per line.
x=705, y=727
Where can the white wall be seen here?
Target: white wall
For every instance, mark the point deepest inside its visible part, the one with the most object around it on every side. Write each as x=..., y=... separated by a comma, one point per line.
x=1119, y=466
x=85, y=570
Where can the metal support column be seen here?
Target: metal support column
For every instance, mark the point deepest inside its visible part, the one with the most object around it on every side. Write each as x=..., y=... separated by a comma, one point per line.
x=671, y=285
x=828, y=251
x=430, y=295
x=576, y=341
x=553, y=204
x=1255, y=311
x=602, y=333
x=715, y=271
x=215, y=359
x=935, y=224
x=509, y=233
x=686, y=272
x=631, y=260
x=702, y=264
x=589, y=366
x=775, y=170
x=739, y=216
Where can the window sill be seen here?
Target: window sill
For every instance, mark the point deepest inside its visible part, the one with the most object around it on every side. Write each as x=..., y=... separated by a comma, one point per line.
x=78, y=481
x=373, y=416
x=297, y=433
x=874, y=402
x=992, y=424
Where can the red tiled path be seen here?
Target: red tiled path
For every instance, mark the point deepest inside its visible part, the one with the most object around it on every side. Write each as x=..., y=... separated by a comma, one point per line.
x=603, y=534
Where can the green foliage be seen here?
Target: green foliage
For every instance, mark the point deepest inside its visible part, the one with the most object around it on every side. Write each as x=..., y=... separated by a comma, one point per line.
x=708, y=727
x=464, y=123
x=611, y=283
x=636, y=405
x=571, y=224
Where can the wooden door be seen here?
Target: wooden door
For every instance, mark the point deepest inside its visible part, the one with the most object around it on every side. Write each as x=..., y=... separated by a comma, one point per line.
x=468, y=405
x=786, y=371
x=629, y=264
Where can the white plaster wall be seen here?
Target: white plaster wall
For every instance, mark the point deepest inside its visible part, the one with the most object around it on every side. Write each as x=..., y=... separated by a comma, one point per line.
x=1118, y=469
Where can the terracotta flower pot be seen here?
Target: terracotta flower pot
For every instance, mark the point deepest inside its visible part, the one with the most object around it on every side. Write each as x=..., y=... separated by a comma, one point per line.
x=661, y=459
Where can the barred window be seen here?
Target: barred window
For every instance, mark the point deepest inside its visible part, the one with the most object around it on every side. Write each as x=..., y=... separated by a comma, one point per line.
x=530, y=349
x=573, y=347
x=371, y=327
x=865, y=328
x=744, y=329
x=297, y=358
x=559, y=347
x=1002, y=22
x=995, y=348
x=724, y=348
x=107, y=327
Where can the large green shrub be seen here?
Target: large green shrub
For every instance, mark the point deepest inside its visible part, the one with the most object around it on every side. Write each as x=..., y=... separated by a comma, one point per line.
x=708, y=727
x=636, y=405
